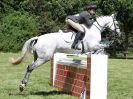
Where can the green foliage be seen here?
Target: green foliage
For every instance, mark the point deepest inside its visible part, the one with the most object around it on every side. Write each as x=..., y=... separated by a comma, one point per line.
x=124, y=10
x=107, y=6
x=15, y=29
x=50, y=15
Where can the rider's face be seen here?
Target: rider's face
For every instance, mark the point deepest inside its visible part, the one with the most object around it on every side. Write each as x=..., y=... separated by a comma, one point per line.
x=92, y=11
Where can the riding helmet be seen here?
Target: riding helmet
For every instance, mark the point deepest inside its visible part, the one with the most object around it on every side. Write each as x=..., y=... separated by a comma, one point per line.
x=91, y=6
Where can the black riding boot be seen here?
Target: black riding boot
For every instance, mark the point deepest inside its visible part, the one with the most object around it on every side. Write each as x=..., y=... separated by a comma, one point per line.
x=78, y=37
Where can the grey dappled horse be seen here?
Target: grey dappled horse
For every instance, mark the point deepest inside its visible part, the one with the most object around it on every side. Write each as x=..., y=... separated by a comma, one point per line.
x=44, y=46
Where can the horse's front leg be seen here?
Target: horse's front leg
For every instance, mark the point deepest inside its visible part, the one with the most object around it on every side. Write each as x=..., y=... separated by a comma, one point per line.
x=99, y=49
x=30, y=68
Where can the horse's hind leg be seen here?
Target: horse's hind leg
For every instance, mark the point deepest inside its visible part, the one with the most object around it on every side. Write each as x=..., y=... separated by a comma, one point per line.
x=35, y=55
x=30, y=68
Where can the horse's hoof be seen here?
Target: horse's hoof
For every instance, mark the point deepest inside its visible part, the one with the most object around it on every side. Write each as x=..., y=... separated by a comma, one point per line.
x=21, y=87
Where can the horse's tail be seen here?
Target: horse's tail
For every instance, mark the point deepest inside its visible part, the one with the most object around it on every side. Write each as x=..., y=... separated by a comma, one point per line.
x=26, y=48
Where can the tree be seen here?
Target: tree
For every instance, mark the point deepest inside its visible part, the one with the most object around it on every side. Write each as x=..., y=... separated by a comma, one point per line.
x=51, y=14
x=125, y=14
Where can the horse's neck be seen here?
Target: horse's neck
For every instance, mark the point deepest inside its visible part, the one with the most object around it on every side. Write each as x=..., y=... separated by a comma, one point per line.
x=101, y=22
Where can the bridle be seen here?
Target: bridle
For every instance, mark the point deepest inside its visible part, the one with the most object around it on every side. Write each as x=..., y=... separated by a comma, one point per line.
x=113, y=23
x=113, y=38
x=114, y=19
x=97, y=26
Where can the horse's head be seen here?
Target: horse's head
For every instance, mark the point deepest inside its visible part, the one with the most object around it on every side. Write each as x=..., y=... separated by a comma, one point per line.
x=108, y=21
x=113, y=24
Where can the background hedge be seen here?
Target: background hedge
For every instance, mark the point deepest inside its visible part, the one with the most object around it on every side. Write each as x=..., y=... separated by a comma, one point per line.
x=23, y=19
x=15, y=28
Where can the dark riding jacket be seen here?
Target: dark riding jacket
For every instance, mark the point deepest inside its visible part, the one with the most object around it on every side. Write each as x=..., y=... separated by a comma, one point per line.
x=82, y=18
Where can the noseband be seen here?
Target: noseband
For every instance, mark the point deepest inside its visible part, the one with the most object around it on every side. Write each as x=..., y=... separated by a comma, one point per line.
x=114, y=19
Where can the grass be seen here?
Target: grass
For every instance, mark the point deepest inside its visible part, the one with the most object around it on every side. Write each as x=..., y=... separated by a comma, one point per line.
x=38, y=86
x=120, y=80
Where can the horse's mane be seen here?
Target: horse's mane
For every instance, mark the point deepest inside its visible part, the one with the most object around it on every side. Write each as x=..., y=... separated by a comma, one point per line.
x=103, y=18
x=100, y=17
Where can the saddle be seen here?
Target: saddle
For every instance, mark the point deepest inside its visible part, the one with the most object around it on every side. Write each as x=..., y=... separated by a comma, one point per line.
x=69, y=29
x=78, y=38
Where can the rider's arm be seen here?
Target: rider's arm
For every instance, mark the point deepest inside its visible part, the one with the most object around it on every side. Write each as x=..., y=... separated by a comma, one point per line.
x=86, y=18
x=76, y=18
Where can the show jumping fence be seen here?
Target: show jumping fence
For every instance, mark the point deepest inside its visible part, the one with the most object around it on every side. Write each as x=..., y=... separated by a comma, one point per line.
x=85, y=79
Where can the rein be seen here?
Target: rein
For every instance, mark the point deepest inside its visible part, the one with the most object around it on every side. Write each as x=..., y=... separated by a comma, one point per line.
x=99, y=25
x=107, y=24
x=114, y=24
x=114, y=37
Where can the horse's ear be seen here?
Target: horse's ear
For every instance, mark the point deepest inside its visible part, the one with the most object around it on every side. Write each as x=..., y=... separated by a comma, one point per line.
x=114, y=15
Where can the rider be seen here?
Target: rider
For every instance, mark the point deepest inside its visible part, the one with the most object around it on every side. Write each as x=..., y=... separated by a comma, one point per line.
x=86, y=17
